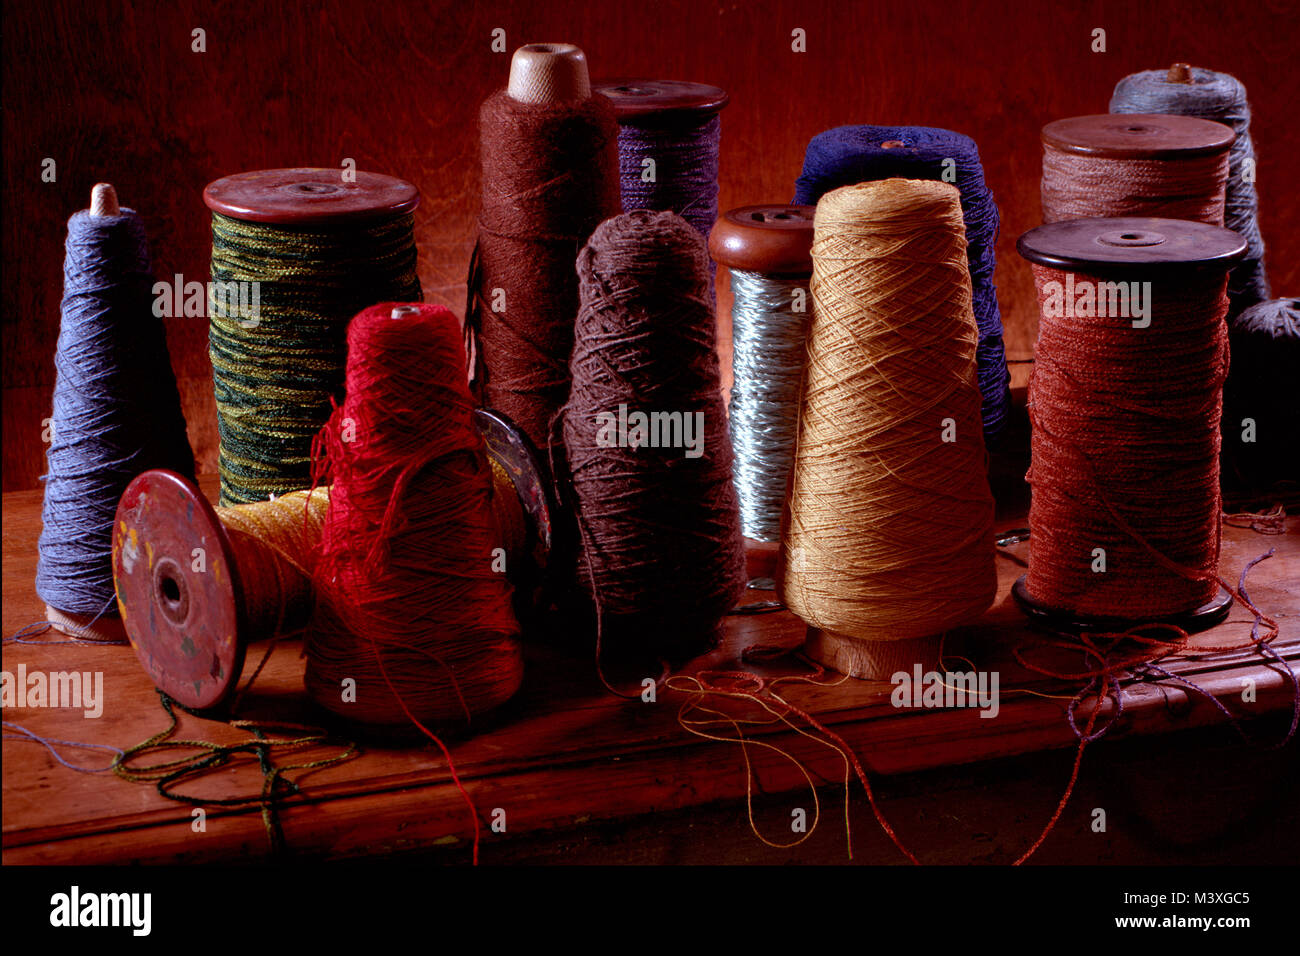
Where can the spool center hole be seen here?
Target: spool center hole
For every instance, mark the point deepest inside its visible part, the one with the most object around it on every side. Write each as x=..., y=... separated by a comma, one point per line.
x=171, y=589
x=314, y=188
x=630, y=90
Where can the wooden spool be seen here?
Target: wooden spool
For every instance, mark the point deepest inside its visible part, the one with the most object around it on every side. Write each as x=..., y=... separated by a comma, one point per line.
x=107, y=627
x=190, y=627
x=309, y=196
x=1134, y=249
x=650, y=103
x=1136, y=136
x=772, y=240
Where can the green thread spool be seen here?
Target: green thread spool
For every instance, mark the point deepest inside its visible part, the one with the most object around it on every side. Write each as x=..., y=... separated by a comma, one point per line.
x=296, y=253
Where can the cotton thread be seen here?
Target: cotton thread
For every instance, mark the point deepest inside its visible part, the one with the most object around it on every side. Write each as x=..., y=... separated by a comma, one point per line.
x=660, y=554
x=769, y=338
x=1125, y=451
x=889, y=533
x=1221, y=98
x=854, y=154
x=550, y=175
x=276, y=375
x=116, y=408
x=1076, y=186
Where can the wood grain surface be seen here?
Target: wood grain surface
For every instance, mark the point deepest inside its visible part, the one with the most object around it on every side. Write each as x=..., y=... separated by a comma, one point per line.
x=113, y=91
x=572, y=764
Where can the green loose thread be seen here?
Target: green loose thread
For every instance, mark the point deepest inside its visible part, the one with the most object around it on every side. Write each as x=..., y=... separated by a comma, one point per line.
x=276, y=787
x=277, y=373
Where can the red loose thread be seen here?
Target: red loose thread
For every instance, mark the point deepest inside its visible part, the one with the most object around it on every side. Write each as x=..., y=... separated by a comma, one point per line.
x=1125, y=452
x=410, y=605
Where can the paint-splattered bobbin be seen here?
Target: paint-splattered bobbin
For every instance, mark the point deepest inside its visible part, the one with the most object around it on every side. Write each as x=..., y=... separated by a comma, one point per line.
x=1133, y=249
x=774, y=240
x=307, y=196
x=178, y=580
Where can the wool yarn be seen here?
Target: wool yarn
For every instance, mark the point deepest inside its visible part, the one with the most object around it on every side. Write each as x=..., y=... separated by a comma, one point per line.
x=1171, y=167
x=854, y=154
x=410, y=606
x=276, y=378
x=116, y=408
x=1220, y=97
x=550, y=175
x=1125, y=408
x=660, y=554
x=889, y=534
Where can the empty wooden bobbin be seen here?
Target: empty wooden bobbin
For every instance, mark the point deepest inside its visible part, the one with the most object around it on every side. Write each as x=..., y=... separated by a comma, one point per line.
x=1133, y=136
x=186, y=618
x=771, y=240
x=1130, y=249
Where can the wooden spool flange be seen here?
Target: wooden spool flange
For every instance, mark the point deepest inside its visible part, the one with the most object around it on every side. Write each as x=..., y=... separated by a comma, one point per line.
x=186, y=618
x=306, y=196
x=639, y=102
x=1135, y=248
x=1138, y=136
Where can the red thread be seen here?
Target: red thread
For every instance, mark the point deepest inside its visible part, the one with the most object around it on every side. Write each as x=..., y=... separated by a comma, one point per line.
x=410, y=605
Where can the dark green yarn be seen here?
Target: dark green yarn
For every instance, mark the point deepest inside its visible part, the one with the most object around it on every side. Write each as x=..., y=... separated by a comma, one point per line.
x=275, y=382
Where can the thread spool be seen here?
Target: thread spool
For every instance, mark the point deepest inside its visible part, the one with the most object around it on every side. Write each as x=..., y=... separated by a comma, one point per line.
x=1192, y=91
x=1126, y=423
x=1261, y=420
x=414, y=623
x=855, y=154
x=320, y=248
x=116, y=411
x=549, y=151
x=660, y=555
x=198, y=585
x=766, y=247
x=1146, y=164
x=677, y=125
x=888, y=541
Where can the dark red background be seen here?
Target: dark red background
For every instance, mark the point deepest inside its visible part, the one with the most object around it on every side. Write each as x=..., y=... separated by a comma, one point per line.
x=113, y=92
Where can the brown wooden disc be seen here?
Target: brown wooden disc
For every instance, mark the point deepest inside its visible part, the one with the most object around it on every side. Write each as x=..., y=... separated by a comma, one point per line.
x=1138, y=136
x=771, y=239
x=178, y=588
x=305, y=196
x=1210, y=613
x=1131, y=243
x=647, y=102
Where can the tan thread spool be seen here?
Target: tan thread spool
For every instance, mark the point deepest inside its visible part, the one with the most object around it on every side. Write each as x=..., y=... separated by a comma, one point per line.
x=888, y=539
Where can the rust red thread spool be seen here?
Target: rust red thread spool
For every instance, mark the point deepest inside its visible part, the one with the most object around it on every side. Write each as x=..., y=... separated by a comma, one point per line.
x=1140, y=164
x=1125, y=401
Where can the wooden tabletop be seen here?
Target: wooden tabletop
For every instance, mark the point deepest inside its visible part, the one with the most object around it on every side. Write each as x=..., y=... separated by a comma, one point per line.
x=565, y=753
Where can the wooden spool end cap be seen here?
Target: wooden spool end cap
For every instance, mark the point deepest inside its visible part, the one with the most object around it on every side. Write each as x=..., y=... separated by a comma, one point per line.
x=1138, y=136
x=872, y=660
x=1131, y=244
x=770, y=239
x=103, y=200
x=178, y=588
x=640, y=102
x=83, y=627
x=1210, y=613
x=307, y=195
x=762, y=558
x=1179, y=73
x=549, y=73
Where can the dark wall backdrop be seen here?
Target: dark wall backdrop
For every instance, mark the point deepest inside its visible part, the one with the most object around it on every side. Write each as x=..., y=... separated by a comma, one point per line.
x=114, y=92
